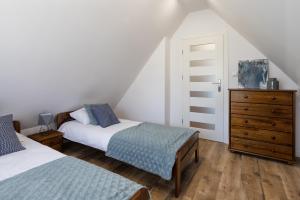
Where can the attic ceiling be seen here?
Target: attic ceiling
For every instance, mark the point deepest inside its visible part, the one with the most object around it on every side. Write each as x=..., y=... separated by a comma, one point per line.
x=272, y=26
x=56, y=55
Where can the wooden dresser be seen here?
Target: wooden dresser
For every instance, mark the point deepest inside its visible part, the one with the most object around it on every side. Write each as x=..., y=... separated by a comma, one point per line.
x=262, y=122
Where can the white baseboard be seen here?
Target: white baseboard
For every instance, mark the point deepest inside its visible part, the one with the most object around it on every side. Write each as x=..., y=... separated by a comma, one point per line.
x=298, y=154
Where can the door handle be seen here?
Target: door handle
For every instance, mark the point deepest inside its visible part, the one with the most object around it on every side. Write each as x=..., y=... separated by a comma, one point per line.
x=219, y=84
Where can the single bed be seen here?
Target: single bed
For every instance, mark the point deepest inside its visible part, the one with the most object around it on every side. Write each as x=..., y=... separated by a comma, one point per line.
x=89, y=135
x=23, y=167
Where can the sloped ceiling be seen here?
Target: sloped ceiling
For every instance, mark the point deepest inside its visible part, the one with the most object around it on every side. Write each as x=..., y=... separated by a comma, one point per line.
x=58, y=54
x=273, y=26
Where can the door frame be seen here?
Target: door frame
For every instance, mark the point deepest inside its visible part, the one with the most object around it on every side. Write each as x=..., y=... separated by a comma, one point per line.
x=225, y=77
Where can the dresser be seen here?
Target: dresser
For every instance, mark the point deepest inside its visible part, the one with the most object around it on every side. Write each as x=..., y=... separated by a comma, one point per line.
x=262, y=122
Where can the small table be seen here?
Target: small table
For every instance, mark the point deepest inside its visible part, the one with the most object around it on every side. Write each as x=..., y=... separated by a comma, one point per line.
x=52, y=138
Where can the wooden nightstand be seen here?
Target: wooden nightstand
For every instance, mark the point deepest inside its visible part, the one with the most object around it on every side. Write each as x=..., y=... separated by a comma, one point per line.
x=52, y=138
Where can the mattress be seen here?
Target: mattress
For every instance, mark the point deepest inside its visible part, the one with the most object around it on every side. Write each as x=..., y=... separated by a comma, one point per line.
x=91, y=135
x=33, y=156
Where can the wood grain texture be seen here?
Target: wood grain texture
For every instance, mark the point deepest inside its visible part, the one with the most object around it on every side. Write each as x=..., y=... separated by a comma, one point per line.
x=263, y=123
x=218, y=175
x=278, y=97
x=274, y=137
x=142, y=194
x=261, y=148
x=62, y=118
x=52, y=138
x=263, y=110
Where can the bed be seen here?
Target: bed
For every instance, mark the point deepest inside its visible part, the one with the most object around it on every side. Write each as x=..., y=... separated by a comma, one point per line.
x=89, y=135
x=38, y=171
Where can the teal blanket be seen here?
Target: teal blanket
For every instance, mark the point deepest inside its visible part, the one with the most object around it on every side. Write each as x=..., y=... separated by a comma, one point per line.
x=150, y=147
x=67, y=179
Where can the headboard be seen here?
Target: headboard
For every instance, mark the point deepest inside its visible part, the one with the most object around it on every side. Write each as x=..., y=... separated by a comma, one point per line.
x=62, y=118
x=17, y=126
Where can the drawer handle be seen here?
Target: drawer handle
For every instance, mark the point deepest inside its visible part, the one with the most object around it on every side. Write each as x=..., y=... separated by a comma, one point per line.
x=274, y=98
x=246, y=96
x=246, y=121
x=246, y=133
x=273, y=124
x=273, y=151
x=246, y=109
x=273, y=138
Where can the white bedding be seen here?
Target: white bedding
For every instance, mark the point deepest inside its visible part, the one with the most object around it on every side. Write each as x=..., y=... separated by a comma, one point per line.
x=34, y=155
x=91, y=135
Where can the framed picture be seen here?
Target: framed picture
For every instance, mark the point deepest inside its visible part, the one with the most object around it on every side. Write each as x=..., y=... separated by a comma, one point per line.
x=253, y=74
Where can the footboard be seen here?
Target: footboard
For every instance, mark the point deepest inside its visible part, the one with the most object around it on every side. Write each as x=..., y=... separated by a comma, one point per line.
x=142, y=194
x=183, y=156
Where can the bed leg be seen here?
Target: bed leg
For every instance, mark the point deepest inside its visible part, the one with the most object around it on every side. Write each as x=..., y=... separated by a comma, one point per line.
x=177, y=178
x=196, y=156
x=197, y=152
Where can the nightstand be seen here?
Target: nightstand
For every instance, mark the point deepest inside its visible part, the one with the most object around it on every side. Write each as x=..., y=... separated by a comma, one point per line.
x=52, y=138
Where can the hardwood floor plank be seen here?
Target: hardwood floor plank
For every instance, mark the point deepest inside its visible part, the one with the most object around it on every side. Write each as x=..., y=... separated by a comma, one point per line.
x=290, y=180
x=206, y=149
x=250, y=177
x=271, y=180
x=211, y=173
x=229, y=186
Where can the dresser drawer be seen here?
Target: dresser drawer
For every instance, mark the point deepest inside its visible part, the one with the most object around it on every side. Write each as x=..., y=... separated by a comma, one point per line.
x=261, y=148
x=262, y=135
x=280, y=98
x=53, y=141
x=265, y=123
x=262, y=110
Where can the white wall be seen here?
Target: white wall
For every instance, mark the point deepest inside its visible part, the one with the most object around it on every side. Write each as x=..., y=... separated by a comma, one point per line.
x=58, y=54
x=238, y=48
x=272, y=26
x=145, y=98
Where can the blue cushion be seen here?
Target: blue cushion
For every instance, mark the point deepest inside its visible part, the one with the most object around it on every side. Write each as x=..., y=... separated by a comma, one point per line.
x=88, y=109
x=9, y=141
x=104, y=115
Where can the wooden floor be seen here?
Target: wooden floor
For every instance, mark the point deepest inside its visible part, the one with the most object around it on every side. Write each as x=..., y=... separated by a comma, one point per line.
x=219, y=175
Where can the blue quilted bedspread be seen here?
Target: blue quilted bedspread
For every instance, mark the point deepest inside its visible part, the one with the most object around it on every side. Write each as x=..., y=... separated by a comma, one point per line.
x=150, y=147
x=67, y=179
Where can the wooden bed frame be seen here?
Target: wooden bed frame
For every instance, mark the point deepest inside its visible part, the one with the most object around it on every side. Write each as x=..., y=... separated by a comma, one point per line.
x=183, y=155
x=141, y=194
x=17, y=126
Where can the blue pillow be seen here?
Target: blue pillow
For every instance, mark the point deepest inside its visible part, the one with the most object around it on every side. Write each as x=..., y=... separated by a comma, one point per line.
x=88, y=109
x=104, y=115
x=9, y=141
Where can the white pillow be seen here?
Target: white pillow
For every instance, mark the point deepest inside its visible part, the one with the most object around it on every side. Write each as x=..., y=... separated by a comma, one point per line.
x=81, y=115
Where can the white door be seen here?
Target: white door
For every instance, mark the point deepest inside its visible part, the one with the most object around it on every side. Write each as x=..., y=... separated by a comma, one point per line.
x=203, y=60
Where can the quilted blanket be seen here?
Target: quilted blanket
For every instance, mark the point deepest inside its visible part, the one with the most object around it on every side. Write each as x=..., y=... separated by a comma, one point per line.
x=150, y=147
x=67, y=179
